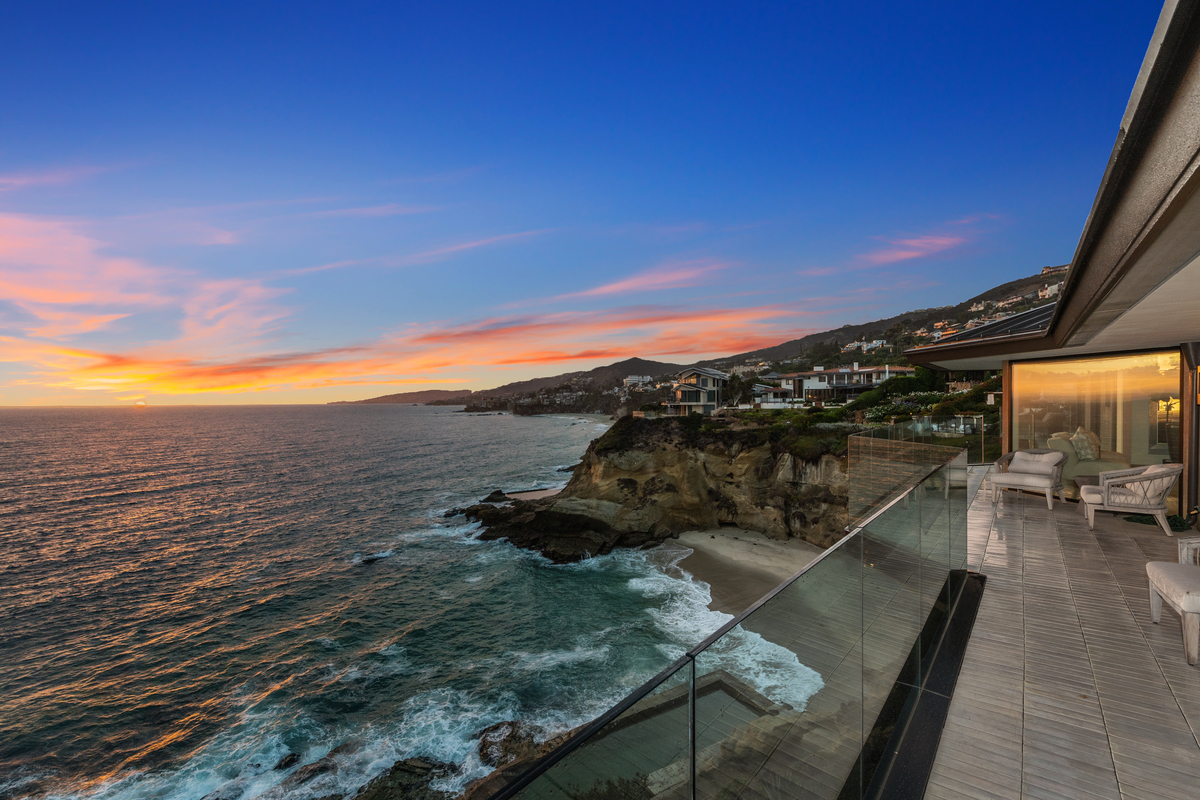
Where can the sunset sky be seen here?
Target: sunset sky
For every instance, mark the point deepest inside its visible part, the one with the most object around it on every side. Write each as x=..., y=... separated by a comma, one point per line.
x=253, y=203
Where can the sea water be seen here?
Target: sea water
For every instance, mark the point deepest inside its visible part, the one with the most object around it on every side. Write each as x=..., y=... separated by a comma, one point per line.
x=190, y=594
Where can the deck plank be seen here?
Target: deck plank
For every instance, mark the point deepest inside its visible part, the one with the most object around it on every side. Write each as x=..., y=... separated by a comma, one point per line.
x=1067, y=689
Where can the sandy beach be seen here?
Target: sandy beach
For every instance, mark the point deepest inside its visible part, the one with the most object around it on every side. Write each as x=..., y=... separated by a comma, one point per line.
x=535, y=494
x=742, y=566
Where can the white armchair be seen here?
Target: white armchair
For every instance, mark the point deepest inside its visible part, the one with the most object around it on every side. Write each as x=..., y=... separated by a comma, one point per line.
x=1179, y=585
x=1140, y=490
x=1030, y=471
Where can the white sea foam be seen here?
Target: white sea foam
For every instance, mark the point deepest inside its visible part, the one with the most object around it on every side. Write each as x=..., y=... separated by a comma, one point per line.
x=685, y=618
x=538, y=662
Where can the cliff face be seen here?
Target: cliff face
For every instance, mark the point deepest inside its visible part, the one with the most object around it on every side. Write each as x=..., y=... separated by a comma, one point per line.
x=646, y=481
x=667, y=491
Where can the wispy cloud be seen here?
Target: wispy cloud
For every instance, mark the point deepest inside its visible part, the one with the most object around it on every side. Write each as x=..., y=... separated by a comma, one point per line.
x=430, y=255
x=385, y=210
x=916, y=247
x=50, y=177
x=665, y=276
x=412, y=259
x=948, y=236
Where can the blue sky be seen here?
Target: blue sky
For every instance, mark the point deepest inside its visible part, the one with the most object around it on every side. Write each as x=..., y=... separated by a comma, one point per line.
x=303, y=203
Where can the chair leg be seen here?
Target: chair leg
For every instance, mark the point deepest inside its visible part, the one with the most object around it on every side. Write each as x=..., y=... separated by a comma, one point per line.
x=1062, y=495
x=1155, y=605
x=1050, y=499
x=1191, y=638
x=1090, y=510
x=1161, y=516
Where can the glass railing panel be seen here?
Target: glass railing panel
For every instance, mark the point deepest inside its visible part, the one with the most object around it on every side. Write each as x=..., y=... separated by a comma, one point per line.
x=891, y=601
x=885, y=461
x=644, y=752
x=960, y=497
x=788, y=676
x=936, y=515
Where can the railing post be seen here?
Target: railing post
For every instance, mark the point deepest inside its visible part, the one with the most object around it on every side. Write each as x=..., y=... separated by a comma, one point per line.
x=692, y=723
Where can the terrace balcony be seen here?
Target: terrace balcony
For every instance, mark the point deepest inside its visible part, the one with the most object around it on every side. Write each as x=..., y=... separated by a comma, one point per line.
x=1067, y=689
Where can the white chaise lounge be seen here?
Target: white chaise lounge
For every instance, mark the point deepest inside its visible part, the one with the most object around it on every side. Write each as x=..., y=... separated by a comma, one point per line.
x=1030, y=471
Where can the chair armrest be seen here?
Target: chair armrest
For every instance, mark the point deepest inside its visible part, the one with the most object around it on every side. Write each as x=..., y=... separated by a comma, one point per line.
x=1002, y=462
x=1119, y=476
x=1189, y=550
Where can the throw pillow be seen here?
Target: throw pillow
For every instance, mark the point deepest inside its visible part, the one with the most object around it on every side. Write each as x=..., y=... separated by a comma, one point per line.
x=1084, y=449
x=1093, y=438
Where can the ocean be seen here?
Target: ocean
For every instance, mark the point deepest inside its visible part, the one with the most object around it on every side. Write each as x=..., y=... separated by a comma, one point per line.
x=190, y=594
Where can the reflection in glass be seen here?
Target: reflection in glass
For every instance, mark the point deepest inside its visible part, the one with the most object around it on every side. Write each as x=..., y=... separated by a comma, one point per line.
x=1104, y=413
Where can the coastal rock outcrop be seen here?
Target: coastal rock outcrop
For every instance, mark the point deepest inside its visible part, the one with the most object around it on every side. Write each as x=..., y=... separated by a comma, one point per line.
x=648, y=480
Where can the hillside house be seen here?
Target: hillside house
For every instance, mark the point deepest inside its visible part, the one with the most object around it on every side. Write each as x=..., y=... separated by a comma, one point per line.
x=697, y=391
x=841, y=384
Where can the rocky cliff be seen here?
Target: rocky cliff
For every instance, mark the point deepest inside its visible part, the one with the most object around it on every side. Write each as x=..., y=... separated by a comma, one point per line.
x=647, y=480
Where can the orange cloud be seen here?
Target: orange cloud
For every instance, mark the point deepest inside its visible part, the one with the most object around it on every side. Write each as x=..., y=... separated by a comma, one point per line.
x=421, y=354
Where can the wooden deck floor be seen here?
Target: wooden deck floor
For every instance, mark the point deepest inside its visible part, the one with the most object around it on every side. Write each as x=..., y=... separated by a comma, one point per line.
x=1068, y=690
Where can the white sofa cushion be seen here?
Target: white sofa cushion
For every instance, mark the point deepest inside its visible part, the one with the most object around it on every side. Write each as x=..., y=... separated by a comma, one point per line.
x=1179, y=583
x=1035, y=463
x=1021, y=480
x=1091, y=494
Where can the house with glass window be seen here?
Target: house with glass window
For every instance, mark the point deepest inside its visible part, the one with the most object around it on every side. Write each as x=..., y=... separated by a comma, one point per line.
x=697, y=391
x=1108, y=373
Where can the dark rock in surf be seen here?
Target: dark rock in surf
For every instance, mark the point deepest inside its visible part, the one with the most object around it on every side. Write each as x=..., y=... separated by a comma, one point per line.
x=408, y=780
x=506, y=742
x=497, y=496
x=290, y=760
x=561, y=537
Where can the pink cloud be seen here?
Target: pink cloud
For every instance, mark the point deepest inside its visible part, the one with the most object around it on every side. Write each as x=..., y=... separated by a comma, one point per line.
x=68, y=285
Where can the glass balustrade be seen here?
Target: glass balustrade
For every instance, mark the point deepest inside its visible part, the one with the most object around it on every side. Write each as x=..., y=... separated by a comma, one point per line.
x=784, y=700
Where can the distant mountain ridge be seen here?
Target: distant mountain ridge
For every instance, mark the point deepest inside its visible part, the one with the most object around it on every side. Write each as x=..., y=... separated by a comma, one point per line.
x=426, y=396
x=612, y=373
x=598, y=376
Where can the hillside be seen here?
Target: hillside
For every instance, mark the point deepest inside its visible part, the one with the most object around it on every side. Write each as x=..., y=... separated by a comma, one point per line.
x=878, y=329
